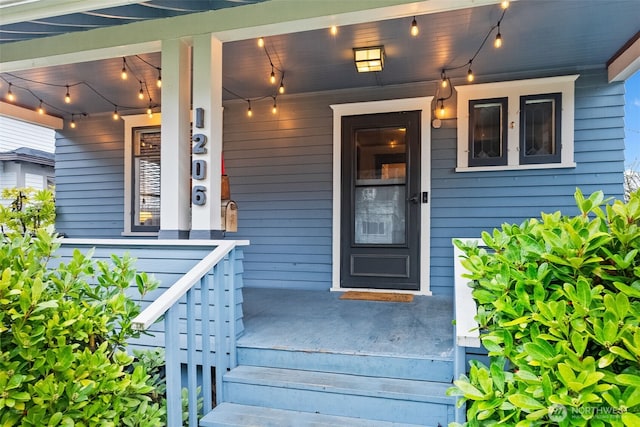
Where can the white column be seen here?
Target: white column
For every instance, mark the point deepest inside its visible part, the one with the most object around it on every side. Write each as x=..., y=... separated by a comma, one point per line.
x=207, y=99
x=175, y=150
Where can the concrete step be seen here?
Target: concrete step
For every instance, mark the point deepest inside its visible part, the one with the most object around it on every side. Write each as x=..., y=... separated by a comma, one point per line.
x=424, y=368
x=328, y=393
x=234, y=415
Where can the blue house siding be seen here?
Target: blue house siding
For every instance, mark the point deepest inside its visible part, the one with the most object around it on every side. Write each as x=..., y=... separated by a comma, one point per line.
x=90, y=179
x=465, y=204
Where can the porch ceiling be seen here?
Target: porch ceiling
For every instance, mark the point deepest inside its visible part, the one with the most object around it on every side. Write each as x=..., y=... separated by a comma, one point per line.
x=555, y=36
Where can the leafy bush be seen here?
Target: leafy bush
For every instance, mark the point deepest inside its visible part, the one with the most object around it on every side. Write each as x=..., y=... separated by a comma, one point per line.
x=62, y=331
x=559, y=310
x=29, y=210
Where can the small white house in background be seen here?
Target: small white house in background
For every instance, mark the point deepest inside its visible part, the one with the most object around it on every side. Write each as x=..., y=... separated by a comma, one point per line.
x=27, y=156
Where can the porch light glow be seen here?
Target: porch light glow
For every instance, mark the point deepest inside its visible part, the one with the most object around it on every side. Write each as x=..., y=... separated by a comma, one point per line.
x=123, y=72
x=333, y=30
x=504, y=4
x=470, y=76
x=261, y=42
x=272, y=77
x=369, y=59
x=249, y=112
x=274, y=110
x=281, y=88
x=67, y=96
x=442, y=108
x=414, y=27
x=498, y=41
x=40, y=108
x=73, y=123
x=443, y=79
x=116, y=116
x=159, y=81
x=10, y=96
x=141, y=93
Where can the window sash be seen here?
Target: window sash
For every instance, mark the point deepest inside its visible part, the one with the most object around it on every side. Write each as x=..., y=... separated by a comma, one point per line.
x=145, y=173
x=488, y=132
x=540, y=125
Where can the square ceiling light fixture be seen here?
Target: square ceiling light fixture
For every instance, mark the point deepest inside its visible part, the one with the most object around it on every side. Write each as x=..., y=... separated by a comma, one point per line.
x=369, y=58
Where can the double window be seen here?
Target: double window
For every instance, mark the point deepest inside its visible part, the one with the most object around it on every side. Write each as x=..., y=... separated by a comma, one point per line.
x=516, y=125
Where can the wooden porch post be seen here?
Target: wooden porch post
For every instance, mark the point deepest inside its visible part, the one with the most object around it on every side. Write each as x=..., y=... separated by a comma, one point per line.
x=174, y=155
x=207, y=140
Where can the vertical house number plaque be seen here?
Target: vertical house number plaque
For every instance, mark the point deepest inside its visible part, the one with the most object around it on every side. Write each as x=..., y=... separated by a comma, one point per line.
x=199, y=166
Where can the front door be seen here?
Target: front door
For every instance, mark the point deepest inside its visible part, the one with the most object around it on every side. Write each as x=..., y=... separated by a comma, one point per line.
x=381, y=199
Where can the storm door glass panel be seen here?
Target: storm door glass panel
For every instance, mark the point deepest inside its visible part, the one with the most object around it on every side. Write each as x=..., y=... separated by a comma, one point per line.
x=540, y=128
x=380, y=187
x=146, y=179
x=487, y=132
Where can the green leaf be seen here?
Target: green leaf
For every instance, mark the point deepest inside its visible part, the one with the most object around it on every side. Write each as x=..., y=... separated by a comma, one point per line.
x=629, y=379
x=468, y=390
x=527, y=403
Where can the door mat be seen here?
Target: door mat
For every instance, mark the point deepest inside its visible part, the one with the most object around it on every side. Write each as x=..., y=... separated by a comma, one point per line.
x=377, y=296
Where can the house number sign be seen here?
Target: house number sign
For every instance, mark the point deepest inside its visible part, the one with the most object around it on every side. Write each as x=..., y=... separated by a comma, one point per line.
x=199, y=166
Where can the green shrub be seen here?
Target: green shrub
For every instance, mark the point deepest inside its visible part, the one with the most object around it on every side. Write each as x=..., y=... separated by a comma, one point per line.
x=62, y=331
x=28, y=211
x=559, y=310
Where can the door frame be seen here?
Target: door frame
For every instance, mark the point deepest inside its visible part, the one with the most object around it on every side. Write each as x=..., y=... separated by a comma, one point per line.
x=422, y=104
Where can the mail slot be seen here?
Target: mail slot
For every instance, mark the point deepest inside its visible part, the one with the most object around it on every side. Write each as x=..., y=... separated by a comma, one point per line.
x=229, y=215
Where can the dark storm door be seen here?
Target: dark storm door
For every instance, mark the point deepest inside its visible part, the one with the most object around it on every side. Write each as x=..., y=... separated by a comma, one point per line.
x=381, y=199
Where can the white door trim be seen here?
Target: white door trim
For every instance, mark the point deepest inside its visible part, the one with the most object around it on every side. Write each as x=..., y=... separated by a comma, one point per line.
x=422, y=104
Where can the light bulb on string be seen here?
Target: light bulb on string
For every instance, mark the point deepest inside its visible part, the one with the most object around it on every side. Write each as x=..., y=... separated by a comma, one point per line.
x=150, y=108
x=498, y=41
x=159, y=81
x=116, y=116
x=281, y=88
x=249, y=112
x=333, y=30
x=261, y=42
x=272, y=77
x=274, y=109
x=504, y=4
x=73, y=122
x=67, y=96
x=442, y=110
x=443, y=80
x=10, y=96
x=123, y=72
x=470, y=76
x=40, y=108
x=141, y=93
x=414, y=27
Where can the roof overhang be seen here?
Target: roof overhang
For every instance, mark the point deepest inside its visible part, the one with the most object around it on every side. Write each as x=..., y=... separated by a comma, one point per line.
x=626, y=61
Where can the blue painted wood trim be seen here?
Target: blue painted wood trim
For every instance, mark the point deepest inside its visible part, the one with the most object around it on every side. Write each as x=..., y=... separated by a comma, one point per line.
x=205, y=285
x=220, y=353
x=192, y=374
x=172, y=355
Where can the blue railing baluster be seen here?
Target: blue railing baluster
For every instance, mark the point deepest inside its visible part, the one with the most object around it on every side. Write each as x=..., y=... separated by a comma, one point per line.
x=205, y=286
x=192, y=374
x=230, y=286
x=218, y=304
x=172, y=356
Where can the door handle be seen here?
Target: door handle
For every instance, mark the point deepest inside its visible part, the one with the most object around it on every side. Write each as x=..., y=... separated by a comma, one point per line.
x=414, y=199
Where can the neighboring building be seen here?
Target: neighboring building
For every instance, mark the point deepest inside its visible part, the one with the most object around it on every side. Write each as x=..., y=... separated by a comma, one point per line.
x=26, y=155
x=347, y=181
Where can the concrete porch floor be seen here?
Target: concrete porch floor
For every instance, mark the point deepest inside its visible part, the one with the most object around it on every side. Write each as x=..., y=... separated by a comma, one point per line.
x=320, y=321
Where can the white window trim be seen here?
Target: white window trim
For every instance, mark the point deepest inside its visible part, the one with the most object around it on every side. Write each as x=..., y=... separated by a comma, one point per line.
x=409, y=104
x=130, y=123
x=513, y=90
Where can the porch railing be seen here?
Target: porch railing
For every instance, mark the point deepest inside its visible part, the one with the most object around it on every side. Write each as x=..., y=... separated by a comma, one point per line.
x=215, y=277
x=466, y=330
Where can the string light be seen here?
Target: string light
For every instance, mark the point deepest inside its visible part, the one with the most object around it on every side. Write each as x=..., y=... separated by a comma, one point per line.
x=281, y=88
x=10, y=96
x=159, y=81
x=274, y=110
x=261, y=42
x=67, y=96
x=249, y=112
x=504, y=4
x=116, y=116
x=442, y=110
x=141, y=93
x=333, y=30
x=498, y=41
x=73, y=122
x=40, y=108
x=414, y=27
x=443, y=79
x=150, y=111
x=470, y=76
x=272, y=77
x=123, y=73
